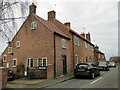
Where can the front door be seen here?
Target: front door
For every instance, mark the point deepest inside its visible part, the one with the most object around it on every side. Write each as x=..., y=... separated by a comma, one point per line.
x=64, y=64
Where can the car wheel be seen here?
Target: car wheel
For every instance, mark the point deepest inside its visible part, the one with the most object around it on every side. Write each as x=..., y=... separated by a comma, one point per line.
x=93, y=75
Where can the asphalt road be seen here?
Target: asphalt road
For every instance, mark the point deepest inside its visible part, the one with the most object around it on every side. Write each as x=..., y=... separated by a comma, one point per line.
x=108, y=79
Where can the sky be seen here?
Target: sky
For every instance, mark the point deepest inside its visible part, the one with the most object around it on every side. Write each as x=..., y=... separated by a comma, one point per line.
x=99, y=17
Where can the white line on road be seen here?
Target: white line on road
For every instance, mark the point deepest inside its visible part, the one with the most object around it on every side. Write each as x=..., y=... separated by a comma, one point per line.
x=96, y=80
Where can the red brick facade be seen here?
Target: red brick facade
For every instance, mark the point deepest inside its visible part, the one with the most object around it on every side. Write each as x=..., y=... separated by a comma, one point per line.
x=49, y=40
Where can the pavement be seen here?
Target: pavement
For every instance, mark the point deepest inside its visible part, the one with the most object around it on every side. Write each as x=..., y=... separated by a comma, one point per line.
x=38, y=83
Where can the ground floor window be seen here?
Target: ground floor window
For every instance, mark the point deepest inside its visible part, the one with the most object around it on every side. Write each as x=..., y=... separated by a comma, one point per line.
x=86, y=59
x=14, y=62
x=42, y=62
x=30, y=62
x=76, y=58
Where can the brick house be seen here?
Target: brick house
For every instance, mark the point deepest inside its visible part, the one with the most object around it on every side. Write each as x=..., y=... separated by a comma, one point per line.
x=81, y=48
x=99, y=56
x=48, y=44
x=38, y=43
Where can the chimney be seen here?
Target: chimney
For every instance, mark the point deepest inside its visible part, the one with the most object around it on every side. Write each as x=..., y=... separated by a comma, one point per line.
x=88, y=36
x=97, y=47
x=51, y=15
x=67, y=24
x=83, y=34
x=32, y=9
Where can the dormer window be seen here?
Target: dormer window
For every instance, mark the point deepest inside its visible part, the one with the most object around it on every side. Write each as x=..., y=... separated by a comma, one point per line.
x=9, y=50
x=17, y=44
x=33, y=25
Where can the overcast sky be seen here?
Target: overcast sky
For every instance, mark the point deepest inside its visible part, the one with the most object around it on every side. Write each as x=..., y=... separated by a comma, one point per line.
x=99, y=17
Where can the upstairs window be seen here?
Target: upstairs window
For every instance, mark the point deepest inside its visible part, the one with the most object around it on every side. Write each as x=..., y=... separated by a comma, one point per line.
x=9, y=50
x=33, y=25
x=63, y=43
x=17, y=44
x=77, y=40
x=14, y=62
x=4, y=58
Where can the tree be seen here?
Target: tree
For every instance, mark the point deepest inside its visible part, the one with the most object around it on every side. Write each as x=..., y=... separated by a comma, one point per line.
x=8, y=16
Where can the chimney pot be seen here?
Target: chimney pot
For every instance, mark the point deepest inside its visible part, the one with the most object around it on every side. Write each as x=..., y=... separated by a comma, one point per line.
x=88, y=36
x=83, y=34
x=51, y=15
x=67, y=24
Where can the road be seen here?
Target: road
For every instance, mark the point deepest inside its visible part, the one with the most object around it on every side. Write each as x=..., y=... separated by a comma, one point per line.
x=108, y=79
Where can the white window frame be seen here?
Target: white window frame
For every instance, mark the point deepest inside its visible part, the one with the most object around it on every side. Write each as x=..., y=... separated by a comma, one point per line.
x=77, y=40
x=33, y=25
x=4, y=60
x=38, y=62
x=76, y=59
x=85, y=45
x=17, y=44
x=63, y=43
x=7, y=65
x=29, y=62
x=9, y=50
x=99, y=55
x=46, y=61
x=14, y=59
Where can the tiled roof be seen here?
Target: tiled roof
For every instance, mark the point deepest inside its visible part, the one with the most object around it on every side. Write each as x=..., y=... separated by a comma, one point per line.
x=79, y=35
x=53, y=27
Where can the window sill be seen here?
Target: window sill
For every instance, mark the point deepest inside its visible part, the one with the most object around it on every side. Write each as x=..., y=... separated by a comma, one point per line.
x=14, y=66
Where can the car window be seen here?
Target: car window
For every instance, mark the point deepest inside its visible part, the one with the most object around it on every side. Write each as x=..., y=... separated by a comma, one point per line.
x=102, y=63
x=82, y=66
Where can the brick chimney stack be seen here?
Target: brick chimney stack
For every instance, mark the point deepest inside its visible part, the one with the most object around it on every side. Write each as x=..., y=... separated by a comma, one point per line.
x=67, y=24
x=32, y=9
x=88, y=36
x=83, y=34
x=51, y=15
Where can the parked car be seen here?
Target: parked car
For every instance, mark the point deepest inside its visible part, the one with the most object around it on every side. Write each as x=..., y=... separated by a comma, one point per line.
x=86, y=70
x=112, y=64
x=11, y=75
x=103, y=66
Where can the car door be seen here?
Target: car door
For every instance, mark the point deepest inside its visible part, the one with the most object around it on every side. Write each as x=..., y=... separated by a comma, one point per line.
x=95, y=69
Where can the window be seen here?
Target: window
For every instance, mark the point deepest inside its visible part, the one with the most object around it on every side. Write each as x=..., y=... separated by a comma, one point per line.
x=33, y=25
x=85, y=45
x=9, y=50
x=42, y=62
x=86, y=59
x=39, y=62
x=14, y=62
x=4, y=58
x=63, y=43
x=76, y=58
x=17, y=44
x=30, y=62
x=8, y=65
x=77, y=40
x=99, y=55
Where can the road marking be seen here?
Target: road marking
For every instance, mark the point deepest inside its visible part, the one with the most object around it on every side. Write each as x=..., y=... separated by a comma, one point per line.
x=96, y=80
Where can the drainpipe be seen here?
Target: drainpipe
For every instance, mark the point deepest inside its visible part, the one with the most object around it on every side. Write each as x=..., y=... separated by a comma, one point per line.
x=54, y=57
x=73, y=49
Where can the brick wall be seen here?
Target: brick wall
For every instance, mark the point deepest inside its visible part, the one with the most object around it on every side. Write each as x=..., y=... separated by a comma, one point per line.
x=3, y=77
